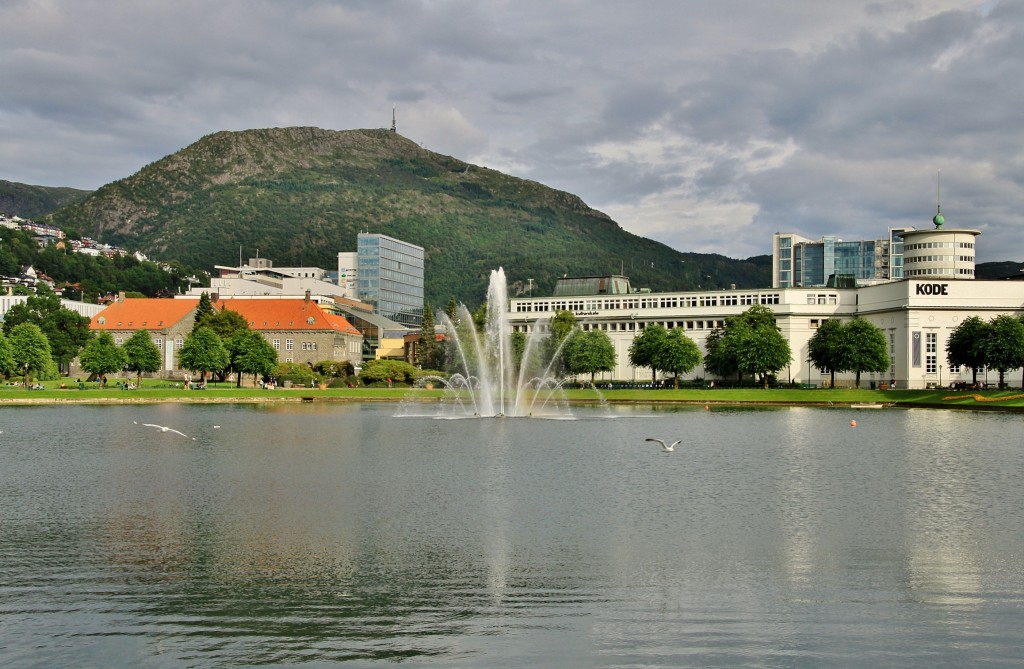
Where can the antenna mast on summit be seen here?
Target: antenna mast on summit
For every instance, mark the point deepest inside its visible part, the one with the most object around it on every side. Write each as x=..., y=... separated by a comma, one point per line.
x=394, y=126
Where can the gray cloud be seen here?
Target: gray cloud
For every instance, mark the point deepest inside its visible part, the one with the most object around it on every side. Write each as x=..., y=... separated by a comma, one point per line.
x=706, y=125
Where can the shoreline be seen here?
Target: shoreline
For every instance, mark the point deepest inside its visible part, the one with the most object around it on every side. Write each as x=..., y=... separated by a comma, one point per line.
x=858, y=400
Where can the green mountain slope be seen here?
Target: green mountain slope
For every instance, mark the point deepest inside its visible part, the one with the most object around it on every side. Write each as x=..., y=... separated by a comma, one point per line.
x=300, y=195
x=34, y=201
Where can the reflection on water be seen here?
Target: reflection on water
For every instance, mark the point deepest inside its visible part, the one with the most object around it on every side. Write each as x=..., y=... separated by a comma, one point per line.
x=320, y=534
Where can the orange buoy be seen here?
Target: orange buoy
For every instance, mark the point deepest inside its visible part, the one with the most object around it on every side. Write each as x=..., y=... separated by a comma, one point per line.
x=706, y=407
x=853, y=423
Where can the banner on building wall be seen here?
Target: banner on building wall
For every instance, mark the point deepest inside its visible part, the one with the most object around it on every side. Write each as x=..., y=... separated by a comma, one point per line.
x=915, y=350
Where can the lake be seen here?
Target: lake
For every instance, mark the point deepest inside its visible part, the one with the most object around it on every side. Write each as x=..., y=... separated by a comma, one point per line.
x=319, y=534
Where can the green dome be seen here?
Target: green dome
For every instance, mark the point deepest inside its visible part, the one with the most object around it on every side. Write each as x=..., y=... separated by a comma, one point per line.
x=938, y=220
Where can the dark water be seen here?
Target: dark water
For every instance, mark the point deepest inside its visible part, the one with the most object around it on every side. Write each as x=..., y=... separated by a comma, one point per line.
x=319, y=535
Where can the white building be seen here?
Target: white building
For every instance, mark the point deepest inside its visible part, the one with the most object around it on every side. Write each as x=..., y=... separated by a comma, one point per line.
x=916, y=314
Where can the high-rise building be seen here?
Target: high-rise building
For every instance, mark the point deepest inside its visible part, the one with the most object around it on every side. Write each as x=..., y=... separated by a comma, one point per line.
x=390, y=277
x=801, y=262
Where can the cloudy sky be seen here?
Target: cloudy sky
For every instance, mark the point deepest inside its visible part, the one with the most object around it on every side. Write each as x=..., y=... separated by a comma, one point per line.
x=704, y=124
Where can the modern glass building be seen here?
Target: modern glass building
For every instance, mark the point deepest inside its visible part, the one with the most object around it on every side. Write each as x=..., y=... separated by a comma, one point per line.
x=798, y=261
x=390, y=277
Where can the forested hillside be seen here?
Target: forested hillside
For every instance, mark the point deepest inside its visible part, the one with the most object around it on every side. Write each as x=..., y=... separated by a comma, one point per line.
x=300, y=195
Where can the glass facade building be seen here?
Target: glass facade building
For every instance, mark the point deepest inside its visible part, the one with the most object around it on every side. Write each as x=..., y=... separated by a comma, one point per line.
x=797, y=261
x=390, y=277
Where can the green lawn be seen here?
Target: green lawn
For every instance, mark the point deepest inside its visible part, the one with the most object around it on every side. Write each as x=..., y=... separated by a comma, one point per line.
x=157, y=390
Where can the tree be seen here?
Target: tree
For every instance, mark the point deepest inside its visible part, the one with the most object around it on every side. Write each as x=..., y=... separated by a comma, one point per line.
x=965, y=346
x=1004, y=345
x=752, y=343
x=203, y=351
x=252, y=354
x=6, y=357
x=102, y=356
x=225, y=323
x=560, y=326
x=429, y=354
x=827, y=349
x=141, y=355
x=203, y=311
x=589, y=352
x=867, y=350
x=677, y=354
x=66, y=330
x=720, y=359
x=643, y=352
x=30, y=350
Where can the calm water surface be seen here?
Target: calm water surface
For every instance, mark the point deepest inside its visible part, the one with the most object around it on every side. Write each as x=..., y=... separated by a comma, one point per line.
x=319, y=535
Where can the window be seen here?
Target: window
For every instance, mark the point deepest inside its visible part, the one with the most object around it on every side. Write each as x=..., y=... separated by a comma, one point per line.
x=277, y=344
x=178, y=341
x=289, y=344
x=931, y=340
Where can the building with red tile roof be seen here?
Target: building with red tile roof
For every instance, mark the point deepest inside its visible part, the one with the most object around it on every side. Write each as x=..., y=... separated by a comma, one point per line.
x=298, y=329
x=167, y=321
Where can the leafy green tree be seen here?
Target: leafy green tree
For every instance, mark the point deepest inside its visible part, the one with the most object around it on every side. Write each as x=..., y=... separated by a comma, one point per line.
x=252, y=354
x=6, y=356
x=827, y=349
x=203, y=311
x=644, y=350
x=965, y=346
x=226, y=323
x=752, y=342
x=141, y=355
x=589, y=352
x=560, y=327
x=66, y=330
x=102, y=356
x=203, y=351
x=720, y=358
x=1004, y=345
x=867, y=350
x=30, y=350
x=677, y=354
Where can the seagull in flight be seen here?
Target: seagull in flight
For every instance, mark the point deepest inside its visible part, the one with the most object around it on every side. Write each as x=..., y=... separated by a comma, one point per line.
x=164, y=429
x=664, y=446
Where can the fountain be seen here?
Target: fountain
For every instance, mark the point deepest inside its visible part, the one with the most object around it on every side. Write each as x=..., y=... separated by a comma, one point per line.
x=488, y=382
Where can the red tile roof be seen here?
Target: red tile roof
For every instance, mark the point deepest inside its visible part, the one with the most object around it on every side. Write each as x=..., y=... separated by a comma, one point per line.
x=287, y=314
x=142, y=313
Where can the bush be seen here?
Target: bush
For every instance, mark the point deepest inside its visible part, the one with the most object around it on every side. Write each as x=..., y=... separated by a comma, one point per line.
x=298, y=374
x=379, y=371
x=332, y=369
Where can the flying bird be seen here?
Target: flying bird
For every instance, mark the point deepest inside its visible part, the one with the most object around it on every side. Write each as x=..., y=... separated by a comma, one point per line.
x=165, y=429
x=664, y=446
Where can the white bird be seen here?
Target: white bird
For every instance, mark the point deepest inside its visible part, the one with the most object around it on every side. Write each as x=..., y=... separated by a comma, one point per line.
x=664, y=446
x=164, y=429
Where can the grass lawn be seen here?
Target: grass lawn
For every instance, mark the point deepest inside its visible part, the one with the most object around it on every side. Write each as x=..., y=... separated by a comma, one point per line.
x=158, y=390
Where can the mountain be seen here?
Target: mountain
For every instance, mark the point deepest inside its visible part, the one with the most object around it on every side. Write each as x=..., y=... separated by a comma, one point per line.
x=34, y=201
x=298, y=196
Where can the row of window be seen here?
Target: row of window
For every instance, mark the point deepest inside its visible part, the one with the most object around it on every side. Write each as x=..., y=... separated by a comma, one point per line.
x=938, y=245
x=694, y=301
x=941, y=271
x=911, y=259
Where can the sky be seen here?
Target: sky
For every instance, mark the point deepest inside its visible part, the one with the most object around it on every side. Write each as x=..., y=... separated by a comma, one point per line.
x=707, y=125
